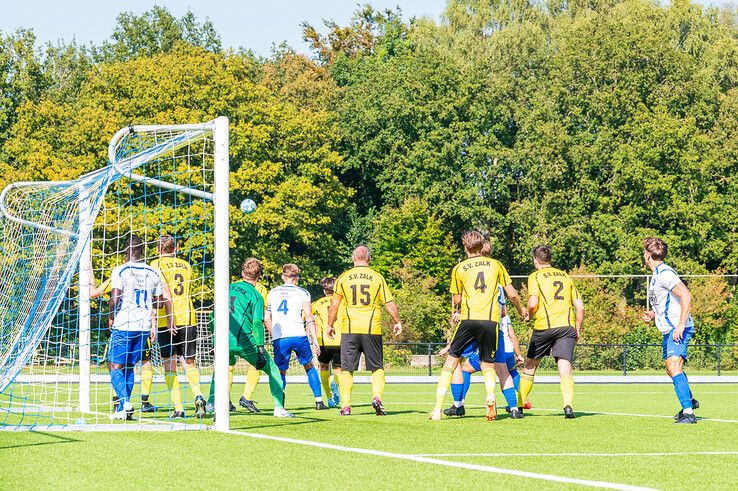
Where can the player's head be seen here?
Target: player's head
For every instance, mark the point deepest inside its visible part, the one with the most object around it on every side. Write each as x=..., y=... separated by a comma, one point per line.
x=654, y=250
x=361, y=255
x=486, y=249
x=327, y=284
x=542, y=256
x=251, y=269
x=472, y=241
x=134, y=248
x=166, y=245
x=290, y=273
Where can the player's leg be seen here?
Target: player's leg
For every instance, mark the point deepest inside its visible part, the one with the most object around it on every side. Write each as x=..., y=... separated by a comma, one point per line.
x=465, y=335
x=282, y=356
x=247, y=399
x=232, y=350
x=249, y=352
x=169, y=354
x=487, y=339
x=563, y=352
x=507, y=384
x=304, y=353
x=116, y=362
x=371, y=345
x=186, y=344
x=457, y=387
x=350, y=355
x=324, y=360
x=336, y=364
x=147, y=378
x=674, y=356
x=540, y=346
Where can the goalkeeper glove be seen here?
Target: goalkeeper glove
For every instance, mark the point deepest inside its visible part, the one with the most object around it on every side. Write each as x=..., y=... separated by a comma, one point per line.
x=261, y=360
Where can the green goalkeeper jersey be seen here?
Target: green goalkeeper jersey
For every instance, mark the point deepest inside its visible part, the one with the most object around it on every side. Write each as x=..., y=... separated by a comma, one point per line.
x=246, y=314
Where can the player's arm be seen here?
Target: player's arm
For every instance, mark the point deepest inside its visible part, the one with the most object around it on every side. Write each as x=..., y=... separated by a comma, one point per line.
x=455, y=308
x=162, y=302
x=268, y=320
x=391, y=307
x=333, y=314
x=512, y=295
x=579, y=308
x=113, y=304
x=685, y=303
x=307, y=308
x=257, y=331
x=515, y=343
x=167, y=294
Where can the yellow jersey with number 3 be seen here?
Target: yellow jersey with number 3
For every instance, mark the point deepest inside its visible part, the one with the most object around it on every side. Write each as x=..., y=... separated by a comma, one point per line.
x=476, y=279
x=320, y=311
x=177, y=273
x=363, y=291
x=556, y=294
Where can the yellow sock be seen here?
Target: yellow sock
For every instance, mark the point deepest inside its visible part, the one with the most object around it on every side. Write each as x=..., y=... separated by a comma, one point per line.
x=378, y=383
x=252, y=378
x=444, y=380
x=174, y=390
x=231, y=371
x=193, y=378
x=325, y=381
x=490, y=379
x=567, y=389
x=526, y=385
x=147, y=377
x=345, y=387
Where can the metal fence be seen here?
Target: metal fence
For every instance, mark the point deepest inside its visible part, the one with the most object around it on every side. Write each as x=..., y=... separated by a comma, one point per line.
x=614, y=359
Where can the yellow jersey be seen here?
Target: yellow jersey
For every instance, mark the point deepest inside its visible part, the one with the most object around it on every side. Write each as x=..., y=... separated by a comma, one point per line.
x=263, y=292
x=362, y=290
x=320, y=311
x=177, y=273
x=476, y=279
x=556, y=294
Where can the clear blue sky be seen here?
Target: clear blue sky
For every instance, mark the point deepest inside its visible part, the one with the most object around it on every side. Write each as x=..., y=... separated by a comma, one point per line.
x=252, y=24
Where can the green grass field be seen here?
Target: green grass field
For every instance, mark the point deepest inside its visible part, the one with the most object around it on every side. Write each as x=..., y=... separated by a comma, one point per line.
x=623, y=435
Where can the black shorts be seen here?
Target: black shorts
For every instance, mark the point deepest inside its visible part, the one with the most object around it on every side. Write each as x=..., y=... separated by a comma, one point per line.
x=184, y=343
x=483, y=332
x=558, y=342
x=330, y=354
x=146, y=354
x=353, y=345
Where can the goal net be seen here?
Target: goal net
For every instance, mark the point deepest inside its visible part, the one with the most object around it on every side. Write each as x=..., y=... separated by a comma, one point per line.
x=60, y=242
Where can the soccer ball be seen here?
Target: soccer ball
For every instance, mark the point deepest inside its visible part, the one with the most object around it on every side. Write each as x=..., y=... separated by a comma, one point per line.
x=248, y=206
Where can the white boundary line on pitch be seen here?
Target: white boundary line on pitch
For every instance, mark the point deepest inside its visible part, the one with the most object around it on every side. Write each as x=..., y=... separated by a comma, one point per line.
x=660, y=416
x=625, y=454
x=445, y=463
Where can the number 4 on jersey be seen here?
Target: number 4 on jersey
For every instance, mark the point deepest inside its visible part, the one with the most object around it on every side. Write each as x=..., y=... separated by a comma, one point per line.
x=479, y=283
x=282, y=307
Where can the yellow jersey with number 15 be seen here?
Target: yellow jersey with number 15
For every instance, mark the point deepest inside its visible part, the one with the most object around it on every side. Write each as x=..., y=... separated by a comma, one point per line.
x=556, y=294
x=177, y=273
x=363, y=291
x=476, y=279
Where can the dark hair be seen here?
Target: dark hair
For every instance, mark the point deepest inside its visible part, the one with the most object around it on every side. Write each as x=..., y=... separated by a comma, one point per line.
x=542, y=253
x=656, y=247
x=327, y=283
x=251, y=269
x=167, y=244
x=134, y=247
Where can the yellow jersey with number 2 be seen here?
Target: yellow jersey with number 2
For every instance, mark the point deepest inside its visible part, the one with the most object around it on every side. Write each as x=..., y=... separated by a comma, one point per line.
x=556, y=294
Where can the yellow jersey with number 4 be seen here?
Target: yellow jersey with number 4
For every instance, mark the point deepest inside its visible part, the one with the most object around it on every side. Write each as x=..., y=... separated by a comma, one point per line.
x=177, y=273
x=476, y=279
x=320, y=311
x=556, y=294
x=363, y=291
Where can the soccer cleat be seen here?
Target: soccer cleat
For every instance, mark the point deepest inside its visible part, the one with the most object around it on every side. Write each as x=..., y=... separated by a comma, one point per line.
x=378, y=407
x=231, y=407
x=695, y=403
x=200, y=407
x=334, y=392
x=435, y=416
x=685, y=418
x=177, y=415
x=319, y=406
x=332, y=403
x=491, y=411
x=516, y=414
x=147, y=407
x=280, y=412
x=345, y=411
x=527, y=405
x=455, y=411
x=568, y=412
x=124, y=414
x=210, y=408
x=249, y=405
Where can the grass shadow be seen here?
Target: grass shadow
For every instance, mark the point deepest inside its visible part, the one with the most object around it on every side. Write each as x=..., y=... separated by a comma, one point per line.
x=55, y=440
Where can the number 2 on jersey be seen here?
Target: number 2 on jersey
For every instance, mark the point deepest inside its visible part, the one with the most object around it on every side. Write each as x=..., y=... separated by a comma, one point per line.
x=560, y=286
x=282, y=307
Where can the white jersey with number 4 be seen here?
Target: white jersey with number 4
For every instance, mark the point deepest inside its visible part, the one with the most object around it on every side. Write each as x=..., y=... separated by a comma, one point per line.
x=285, y=306
x=664, y=303
x=138, y=283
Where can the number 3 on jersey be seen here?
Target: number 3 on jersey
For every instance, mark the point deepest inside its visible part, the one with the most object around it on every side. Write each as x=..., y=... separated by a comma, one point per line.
x=282, y=307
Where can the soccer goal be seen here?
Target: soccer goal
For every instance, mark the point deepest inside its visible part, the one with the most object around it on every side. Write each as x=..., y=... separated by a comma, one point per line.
x=59, y=243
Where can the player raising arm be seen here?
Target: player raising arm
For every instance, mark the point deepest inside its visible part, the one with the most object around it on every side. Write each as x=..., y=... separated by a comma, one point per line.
x=559, y=311
x=671, y=302
x=135, y=289
x=360, y=291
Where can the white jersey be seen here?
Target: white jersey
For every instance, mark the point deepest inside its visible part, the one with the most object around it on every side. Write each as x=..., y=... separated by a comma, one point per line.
x=505, y=322
x=285, y=305
x=138, y=283
x=664, y=303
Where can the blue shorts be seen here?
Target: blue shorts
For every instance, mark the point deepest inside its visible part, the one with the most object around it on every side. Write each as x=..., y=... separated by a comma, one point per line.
x=502, y=356
x=671, y=348
x=126, y=347
x=470, y=351
x=283, y=348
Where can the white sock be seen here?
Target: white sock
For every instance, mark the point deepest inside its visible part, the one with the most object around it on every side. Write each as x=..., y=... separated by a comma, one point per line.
x=688, y=410
x=458, y=403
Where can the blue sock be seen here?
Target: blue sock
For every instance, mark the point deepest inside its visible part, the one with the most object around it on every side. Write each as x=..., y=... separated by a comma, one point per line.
x=681, y=387
x=510, y=397
x=284, y=381
x=458, y=392
x=516, y=379
x=467, y=383
x=118, y=381
x=690, y=389
x=130, y=380
x=314, y=381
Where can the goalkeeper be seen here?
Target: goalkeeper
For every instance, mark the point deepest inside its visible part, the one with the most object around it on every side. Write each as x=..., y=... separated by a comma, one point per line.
x=246, y=334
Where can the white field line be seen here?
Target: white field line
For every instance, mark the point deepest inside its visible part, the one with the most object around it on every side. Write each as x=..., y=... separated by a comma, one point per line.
x=635, y=415
x=445, y=463
x=624, y=454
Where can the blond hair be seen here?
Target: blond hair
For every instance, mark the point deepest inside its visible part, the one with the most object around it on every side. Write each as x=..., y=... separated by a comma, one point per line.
x=472, y=241
x=290, y=270
x=251, y=269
